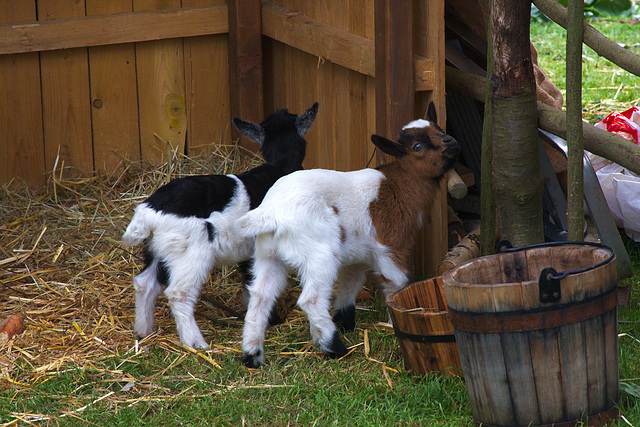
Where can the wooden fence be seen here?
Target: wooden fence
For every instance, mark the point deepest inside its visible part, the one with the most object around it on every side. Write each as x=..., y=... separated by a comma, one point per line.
x=93, y=83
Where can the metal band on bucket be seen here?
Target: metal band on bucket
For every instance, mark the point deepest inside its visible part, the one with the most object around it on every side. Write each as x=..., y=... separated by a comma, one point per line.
x=425, y=338
x=531, y=320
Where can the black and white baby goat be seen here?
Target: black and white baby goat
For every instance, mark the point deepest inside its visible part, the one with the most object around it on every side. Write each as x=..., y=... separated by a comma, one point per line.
x=187, y=224
x=330, y=226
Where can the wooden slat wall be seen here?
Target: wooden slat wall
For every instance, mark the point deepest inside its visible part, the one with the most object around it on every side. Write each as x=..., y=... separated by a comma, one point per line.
x=114, y=104
x=65, y=97
x=340, y=136
x=165, y=79
x=207, y=88
x=22, y=140
x=161, y=90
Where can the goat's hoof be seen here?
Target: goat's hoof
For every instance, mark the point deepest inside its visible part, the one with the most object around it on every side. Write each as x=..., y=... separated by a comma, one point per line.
x=345, y=318
x=253, y=361
x=336, y=348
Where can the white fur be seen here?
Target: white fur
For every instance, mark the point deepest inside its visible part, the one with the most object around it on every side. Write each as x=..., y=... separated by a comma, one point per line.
x=420, y=123
x=183, y=244
x=299, y=226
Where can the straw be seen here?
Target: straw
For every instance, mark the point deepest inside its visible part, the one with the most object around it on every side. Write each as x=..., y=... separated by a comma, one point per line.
x=65, y=272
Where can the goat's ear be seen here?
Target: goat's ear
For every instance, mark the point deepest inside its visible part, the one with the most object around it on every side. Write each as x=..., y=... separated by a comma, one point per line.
x=250, y=129
x=304, y=120
x=432, y=116
x=388, y=146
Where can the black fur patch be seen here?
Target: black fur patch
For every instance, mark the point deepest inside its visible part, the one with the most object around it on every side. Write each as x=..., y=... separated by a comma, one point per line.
x=258, y=181
x=345, y=318
x=245, y=270
x=274, y=317
x=283, y=146
x=247, y=277
x=211, y=231
x=336, y=347
x=197, y=195
x=162, y=272
x=250, y=360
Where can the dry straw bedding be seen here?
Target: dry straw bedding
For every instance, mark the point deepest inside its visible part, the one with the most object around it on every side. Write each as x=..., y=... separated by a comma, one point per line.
x=64, y=270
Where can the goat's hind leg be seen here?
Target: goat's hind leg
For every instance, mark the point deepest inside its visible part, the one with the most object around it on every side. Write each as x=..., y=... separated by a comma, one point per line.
x=147, y=287
x=269, y=281
x=350, y=281
x=245, y=268
x=183, y=291
x=317, y=285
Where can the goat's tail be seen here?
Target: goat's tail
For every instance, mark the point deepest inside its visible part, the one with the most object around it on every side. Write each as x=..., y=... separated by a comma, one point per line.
x=139, y=228
x=256, y=222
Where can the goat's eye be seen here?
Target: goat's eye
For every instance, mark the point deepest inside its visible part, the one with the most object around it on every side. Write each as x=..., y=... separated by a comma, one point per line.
x=417, y=147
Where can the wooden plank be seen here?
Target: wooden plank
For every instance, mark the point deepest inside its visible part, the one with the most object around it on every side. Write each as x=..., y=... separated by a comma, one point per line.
x=66, y=97
x=594, y=331
x=351, y=152
x=545, y=357
x=335, y=44
x=22, y=149
x=393, y=67
x=161, y=91
x=522, y=381
x=209, y=113
x=32, y=36
x=245, y=64
x=573, y=362
x=432, y=241
x=610, y=324
x=114, y=112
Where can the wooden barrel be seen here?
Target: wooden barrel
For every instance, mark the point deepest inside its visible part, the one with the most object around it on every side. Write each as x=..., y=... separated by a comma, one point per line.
x=538, y=346
x=424, y=331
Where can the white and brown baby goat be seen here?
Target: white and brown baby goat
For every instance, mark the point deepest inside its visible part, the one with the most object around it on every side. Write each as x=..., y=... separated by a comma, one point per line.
x=331, y=226
x=187, y=225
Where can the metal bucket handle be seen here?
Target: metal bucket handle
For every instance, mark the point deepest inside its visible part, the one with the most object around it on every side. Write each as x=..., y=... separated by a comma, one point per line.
x=549, y=281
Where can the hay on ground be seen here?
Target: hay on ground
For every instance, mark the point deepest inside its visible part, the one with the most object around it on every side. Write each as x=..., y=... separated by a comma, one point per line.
x=64, y=270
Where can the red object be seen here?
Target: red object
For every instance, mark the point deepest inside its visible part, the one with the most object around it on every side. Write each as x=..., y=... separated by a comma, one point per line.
x=625, y=124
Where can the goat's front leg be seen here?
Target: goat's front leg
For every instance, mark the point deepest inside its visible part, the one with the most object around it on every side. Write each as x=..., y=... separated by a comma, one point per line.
x=269, y=281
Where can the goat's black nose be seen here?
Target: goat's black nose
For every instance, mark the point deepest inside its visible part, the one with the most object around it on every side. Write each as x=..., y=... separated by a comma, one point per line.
x=453, y=148
x=447, y=139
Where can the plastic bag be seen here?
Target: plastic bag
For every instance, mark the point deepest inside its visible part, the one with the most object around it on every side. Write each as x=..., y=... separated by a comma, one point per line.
x=625, y=124
x=621, y=187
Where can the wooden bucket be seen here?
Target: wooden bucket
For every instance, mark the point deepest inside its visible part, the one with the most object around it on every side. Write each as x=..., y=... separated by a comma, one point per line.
x=538, y=346
x=424, y=331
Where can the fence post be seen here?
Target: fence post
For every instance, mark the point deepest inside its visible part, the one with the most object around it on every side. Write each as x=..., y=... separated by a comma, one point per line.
x=245, y=64
x=395, y=97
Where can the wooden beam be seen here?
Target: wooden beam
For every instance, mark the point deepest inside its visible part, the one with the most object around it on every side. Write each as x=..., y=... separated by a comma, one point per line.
x=395, y=97
x=245, y=64
x=339, y=46
x=101, y=30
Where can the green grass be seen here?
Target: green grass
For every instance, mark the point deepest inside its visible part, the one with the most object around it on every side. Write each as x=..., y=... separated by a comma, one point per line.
x=606, y=87
x=177, y=388
x=180, y=389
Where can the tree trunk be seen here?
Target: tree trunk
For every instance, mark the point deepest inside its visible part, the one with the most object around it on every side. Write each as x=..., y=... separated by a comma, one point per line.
x=517, y=179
